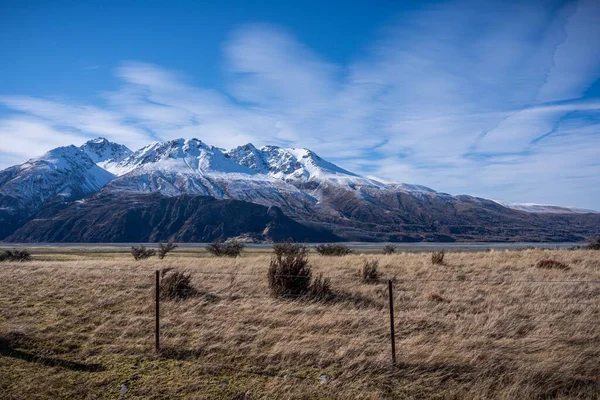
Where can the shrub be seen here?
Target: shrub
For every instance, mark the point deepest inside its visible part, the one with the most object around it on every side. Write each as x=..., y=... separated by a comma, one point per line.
x=15, y=255
x=320, y=288
x=141, y=252
x=175, y=285
x=163, y=249
x=333, y=249
x=595, y=245
x=289, y=272
x=437, y=257
x=369, y=272
x=225, y=249
x=389, y=249
x=287, y=248
x=551, y=264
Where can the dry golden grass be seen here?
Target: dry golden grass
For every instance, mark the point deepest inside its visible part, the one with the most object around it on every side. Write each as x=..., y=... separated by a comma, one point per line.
x=476, y=327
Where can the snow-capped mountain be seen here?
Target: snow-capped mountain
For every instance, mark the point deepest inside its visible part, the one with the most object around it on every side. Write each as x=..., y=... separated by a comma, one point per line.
x=545, y=208
x=193, y=167
x=64, y=171
x=61, y=175
x=105, y=154
x=288, y=164
x=181, y=156
x=297, y=181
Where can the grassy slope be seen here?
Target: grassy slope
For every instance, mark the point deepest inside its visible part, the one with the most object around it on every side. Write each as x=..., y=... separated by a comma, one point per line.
x=80, y=325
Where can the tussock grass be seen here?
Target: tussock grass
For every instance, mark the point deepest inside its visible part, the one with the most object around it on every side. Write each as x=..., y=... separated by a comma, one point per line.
x=595, y=244
x=437, y=257
x=225, y=249
x=551, y=264
x=369, y=273
x=142, y=253
x=389, y=249
x=15, y=255
x=476, y=327
x=176, y=285
x=333, y=249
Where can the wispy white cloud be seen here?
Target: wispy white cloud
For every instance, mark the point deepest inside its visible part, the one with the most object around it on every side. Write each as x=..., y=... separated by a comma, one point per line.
x=576, y=61
x=22, y=137
x=463, y=96
x=68, y=119
x=518, y=130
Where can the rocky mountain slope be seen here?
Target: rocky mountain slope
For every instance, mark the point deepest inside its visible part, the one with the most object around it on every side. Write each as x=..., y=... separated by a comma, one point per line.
x=105, y=154
x=61, y=175
x=305, y=187
x=153, y=217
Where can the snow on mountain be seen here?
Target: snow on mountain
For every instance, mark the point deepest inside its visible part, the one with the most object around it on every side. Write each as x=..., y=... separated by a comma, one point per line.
x=64, y=171
x=250, y=157
x=182, y=155
x=307, y=171
x=545, y=208
x=105, y=154
x=305, y=186
x=295, y=179
x=293, y=164
x=191, y=166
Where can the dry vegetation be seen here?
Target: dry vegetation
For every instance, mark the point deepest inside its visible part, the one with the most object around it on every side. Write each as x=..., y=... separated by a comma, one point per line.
x=225, y=249
x=333, y=249
x=480, y=325
x=15, y=255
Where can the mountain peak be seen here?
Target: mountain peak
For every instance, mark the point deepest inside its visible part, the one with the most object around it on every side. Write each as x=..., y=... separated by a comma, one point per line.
x=97, y=140
x=66, y=172
x=299, y=164
x=67, y=152
x=182, y=156
x=104, y=153
x=297, y=180
x=250, y=157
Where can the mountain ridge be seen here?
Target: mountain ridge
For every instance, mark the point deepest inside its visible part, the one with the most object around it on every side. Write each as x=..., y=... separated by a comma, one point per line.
x=303, y=185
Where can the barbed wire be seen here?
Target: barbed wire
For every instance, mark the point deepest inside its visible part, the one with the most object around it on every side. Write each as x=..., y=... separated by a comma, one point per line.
x=395, y=279
x=80, y=267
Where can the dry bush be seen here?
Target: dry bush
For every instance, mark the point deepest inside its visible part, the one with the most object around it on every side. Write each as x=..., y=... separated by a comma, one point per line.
x=551, y=264
x=15, y=255
x=289, y=272
x=595, y=245
x=225, y=249
x=163, y=249
x=437, y=257
x=287, y=248
x=389, y=249
x=176, y=285
x=369, y=272
x=320, y=288
x=333, y=249
x=141, y=252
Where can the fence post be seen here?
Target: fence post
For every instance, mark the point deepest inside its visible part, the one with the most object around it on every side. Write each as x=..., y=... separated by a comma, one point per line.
x=157, y=323
x=392, y=331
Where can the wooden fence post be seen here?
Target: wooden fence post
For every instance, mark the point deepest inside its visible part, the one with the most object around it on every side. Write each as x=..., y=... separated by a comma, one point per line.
x=392, y=331
x=157, y=323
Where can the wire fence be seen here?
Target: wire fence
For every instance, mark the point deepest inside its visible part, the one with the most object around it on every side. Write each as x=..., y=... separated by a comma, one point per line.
x=151, y=291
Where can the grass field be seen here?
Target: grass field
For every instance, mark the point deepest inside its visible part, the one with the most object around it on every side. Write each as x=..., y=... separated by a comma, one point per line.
x=79, y=323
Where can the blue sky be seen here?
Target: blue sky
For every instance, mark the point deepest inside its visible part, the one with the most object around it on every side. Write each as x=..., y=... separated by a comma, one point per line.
x=493, y=99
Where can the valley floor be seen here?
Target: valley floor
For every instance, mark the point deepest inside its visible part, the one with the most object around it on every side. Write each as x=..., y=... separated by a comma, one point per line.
x=489, y=325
